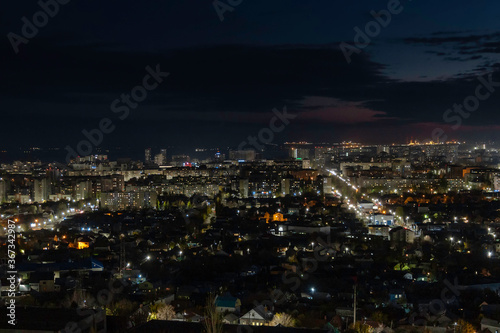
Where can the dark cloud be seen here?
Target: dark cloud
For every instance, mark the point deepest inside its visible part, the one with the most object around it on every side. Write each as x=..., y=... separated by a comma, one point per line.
x=447, y=33
x=226, y=77
x=460, y=47
x=451, y=38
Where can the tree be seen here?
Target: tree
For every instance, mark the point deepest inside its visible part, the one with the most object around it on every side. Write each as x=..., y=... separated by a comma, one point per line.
x=359, y=327
x=465, y=327
x=153, y=310
x=166, y=312
x=61, y=207
x=213, y=319
x=32, y=209
x=379, y=316
x=443, y=185
x=123, y=308
x=139, y=317
x=283, y=319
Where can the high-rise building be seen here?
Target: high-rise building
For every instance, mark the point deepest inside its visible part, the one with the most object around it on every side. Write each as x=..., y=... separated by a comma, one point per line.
x=118, y=182
x=147, y=156
x=163, y=152
x=320, y=154
x=3, y=190
x=328, y=185
x=243, y=188
x=144, y=199
x=301, y=153
x=496, y=183
x=306, y=164
x=285, y=186
x=159, y=159
x=41, y=190
x=83, y=190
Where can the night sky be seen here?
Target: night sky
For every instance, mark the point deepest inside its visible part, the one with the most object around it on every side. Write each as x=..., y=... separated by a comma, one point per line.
x=227, y=76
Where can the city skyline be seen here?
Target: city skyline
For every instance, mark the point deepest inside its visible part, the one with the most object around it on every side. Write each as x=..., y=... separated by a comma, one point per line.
x=272, y=151
x=226, y=77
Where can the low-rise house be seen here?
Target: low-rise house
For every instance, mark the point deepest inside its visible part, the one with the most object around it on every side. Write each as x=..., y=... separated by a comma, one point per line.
x=258, y=316
x=43, y=282
x=146, y=287
x=489, y=309
x=230, y=318
x=190, y=316
x=490, y=325
x=344, y=312
x=402, y=235
x=396, y=295
x=89, y=264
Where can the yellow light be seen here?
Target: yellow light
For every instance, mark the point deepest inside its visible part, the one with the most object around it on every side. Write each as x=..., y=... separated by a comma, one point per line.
x=82, y=245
